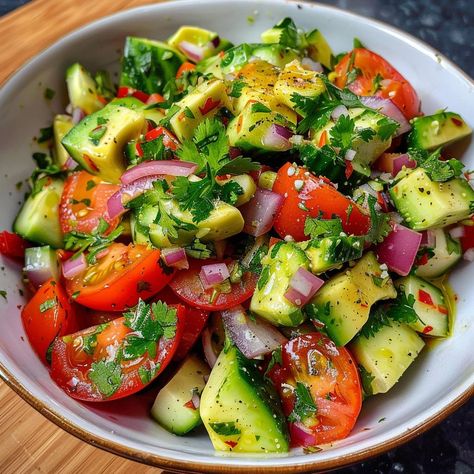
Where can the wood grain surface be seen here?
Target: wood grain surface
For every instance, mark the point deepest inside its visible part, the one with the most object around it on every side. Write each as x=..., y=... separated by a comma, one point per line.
x=28, y=441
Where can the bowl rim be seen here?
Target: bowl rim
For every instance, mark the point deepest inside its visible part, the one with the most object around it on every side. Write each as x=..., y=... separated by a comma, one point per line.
x=193, y=466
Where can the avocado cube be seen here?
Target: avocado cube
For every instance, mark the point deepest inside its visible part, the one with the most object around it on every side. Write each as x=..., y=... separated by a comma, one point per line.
x=61, y=126
x=82, y=89
x=426, y=204
x=318, y=48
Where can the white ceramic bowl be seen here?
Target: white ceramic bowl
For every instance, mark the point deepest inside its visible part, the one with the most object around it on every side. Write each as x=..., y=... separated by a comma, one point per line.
x=438, y=382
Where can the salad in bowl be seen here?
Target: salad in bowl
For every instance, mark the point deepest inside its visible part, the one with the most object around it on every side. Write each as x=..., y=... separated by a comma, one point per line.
x=264, y=229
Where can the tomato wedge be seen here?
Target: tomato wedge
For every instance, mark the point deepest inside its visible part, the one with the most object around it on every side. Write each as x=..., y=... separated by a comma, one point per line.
x=84, y=203
x=117, y=281
x=306, y=195
x=376, y=76
x=187, y=285
x=119, y=358
x=12, y=245
x=313, y=365
x=194, y=321
x=46, y=316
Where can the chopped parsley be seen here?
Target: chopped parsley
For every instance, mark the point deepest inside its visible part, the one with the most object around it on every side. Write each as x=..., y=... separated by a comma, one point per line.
x=358, y=43
x=106, y=376
x=90, y=184
x=386, y=127
x=49, y=93
x=317, y=228
x=304, y=404
x=237, y=87
x=366, y=378
x=97, y=133
x=48, y=304
x=227, y=428
x=45, y=135
x=3, y=294
x=258, y=107
x=437, y=170
x=379, y=222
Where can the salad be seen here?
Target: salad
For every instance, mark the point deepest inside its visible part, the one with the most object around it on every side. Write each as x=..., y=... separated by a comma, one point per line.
x=262, y=231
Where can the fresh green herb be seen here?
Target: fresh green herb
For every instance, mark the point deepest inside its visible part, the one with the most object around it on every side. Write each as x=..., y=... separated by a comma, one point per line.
x=275, y=360
x=97, y=133
x=230, y=192
x=237, y=87
x=317, y=228
x=289, y=36
x=379, y=222
x=402, y=310
x=3, y=294
x=188, y=113
x=353, y=75
x=75, y=295
x=102, y=120
x=198, y=249
x=377, y=83
x=304, y=405
x=437, y=170
x=386, y=128
x=358, y=43
x=225, y=429
x=106, y=376
x=381, y=420
x=46, y=134
x=89, y=341
x=257, y=107
x=104, y=84
x=94, y=242
x=49, y=93
x=90, y=184
x=48, y=304
x=366, y=378
x=264, y=277
x=147, y=375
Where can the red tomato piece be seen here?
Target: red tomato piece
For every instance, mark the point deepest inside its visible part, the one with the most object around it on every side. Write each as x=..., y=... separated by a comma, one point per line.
x=307, y=195
x=124, y=91
x=84, y=203
x=169, y=140
x=425, y=298
x=155, y=98
x=46, y=316
x=117, y=281
x=194, y=321
x=209, y=105
x=377, y=77
x=93, y=365
x=467, y=240
x=186, y=66
x=12, y=245
x=187, y=285
x=330, y=375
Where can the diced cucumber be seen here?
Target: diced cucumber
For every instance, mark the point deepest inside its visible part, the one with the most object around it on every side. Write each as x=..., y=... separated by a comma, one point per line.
x=38, y=219
x=240, y=409
x=61, y=126
x=173, y=408
x=430, y=306
x=387, y=354
x=247, y=183
x=42, y=259
x=82, y=89
x=318, y=48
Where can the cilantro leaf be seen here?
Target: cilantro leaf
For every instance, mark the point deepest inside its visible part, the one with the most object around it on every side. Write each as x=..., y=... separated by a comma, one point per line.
x=379, y=222
x=289, y=36
x=237, y=87
x=227, y=428
x=106, y=376
x=257, y=107
x=155, y=150
x=304, y=405
x=48, y=304
x=366, y=378
x=317, y=227
x=437, y=170
x=386, y=127
x=230, y=192
x=342, y=132
x=45, y=135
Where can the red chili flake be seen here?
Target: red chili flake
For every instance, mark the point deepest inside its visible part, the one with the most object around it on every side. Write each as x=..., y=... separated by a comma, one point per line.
x=349, y=169
x=323, y=139
x=457, y=122
x=423, y=260
x=442, y=309
x=427, y=329
x=209, y=105
x=189, y=404
x=424, y=297
x=90, y=163
x=232, y=444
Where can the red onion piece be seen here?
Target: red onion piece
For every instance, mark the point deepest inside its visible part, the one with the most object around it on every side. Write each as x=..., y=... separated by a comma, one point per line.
x=175, y=257
x=70, y=164
x=303, y=286
x=102, y=253
x=277, y=137
x=196, y=399
x=209, y=354
x=253, y=338
x=260, y=212
x=114, y=205
x=192, y=51
x=457, y=232
x=216, y=41
x=40, y=265
x=313, y=65
x=213, y=274
x=338, y=111
x=77, y=115
x=469, y=255
x=428, y=239
x=301, y=435
x=388, y=108
x=350, y=155
x=398, y=250
x=400, y=161
x=74, y=266
x=160, y=167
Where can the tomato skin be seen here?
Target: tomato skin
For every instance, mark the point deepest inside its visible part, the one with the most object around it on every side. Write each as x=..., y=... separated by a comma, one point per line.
x=126, y=273
x=124, y=91
x=169, y=140
x=467, y=240
x=336, y=392
x=91, y=202
x=12, y=245
x=395, y=87
x=43, y=327
x=188, y=287
x=319, y=197
x=70, y=364
x=194, y=321
x=186, y=66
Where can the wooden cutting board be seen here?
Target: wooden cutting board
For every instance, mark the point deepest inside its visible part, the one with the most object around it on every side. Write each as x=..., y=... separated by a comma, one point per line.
x=28, y=441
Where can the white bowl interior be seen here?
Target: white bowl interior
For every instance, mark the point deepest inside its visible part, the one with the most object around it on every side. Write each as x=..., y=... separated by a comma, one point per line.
x=436, y=379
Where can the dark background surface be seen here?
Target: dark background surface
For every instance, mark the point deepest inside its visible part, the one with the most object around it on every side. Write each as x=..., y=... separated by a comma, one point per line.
x=448, y=25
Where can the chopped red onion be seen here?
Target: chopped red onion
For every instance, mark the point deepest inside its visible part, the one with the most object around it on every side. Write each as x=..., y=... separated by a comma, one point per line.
x=114, y=205
x=260, y=212
x=102, y=253
x=196, y=399
x=303, y=286
x=192, y=51
x=254, y=338
x=41, y=264
x=428, y=239
x=209, y=354
x=213, y=274
x=70, y=164
x=398, y=250
x=277, y=137
x=159, y=167
x=401, y=161
x=74, y=266
x=301, y=435
x=216, y=41
x=338, y=111
x=77, y=115
x=313, y=65
x=388, y=108
x=457, y=232
x=350, y=155
x=469, y=255
x=175, y=257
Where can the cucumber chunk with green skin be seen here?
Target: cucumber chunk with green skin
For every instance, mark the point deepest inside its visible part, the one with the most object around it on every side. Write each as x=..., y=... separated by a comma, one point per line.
x=40, y=259
x=430, y=306
x=82, y=89
x=61, y=126
x=343, y=303
x=426, y=204
x=209, y=42
x=438, y=130
x=330, y=253
x=154, y=114
x=268, y=301
x=97, y=142
x=318, y=48
x=38, y=219
x=386, y=355
x=173, y=408
x=240, y=409
x=148, y=65
x=447, y=252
